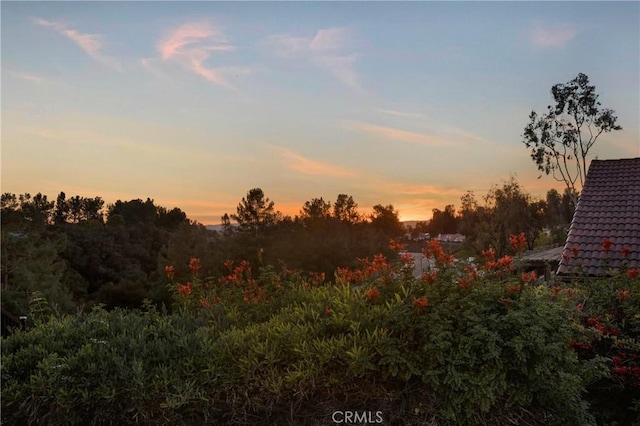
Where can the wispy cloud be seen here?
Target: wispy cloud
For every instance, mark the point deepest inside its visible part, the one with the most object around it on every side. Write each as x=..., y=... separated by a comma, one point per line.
x=92, y=44
x=328, y=49
x=192, y=45
x=547, y=36
x=401, y=135
x=306, y=166
x=27, y=76
x=400, y=113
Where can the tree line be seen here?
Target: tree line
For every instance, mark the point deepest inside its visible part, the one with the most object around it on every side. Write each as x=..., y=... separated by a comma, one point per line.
x=78, y=252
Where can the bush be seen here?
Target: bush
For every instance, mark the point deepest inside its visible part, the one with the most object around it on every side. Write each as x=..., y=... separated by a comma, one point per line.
x=459, y=346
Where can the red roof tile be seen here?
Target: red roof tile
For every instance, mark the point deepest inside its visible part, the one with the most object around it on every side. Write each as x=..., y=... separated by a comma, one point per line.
x=609, y=208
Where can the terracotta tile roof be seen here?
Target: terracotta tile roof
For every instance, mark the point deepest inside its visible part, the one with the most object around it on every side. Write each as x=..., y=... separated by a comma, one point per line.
x=609, y=208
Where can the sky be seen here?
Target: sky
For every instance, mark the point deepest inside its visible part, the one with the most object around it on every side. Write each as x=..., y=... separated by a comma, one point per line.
x=193, y=104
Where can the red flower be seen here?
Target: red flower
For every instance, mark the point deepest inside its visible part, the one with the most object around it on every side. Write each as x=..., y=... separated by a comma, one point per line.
x=506, y=262
x=622, y=294
x=373, y=294
x=594, y=321
x=430, y=278
x=555, y=290
x=435, y=250
x=625, y=251
x=420, y=303
x=518, y=242
x=327, y=311
x=513, y=289
x=169, y=271
x=185, y=289
x=465, y=282
x=205, y=303
x=194, y=265
x=489, y=255
x=633, y=273
x=396, y=246
x=570, y=292
x=528, y=278
x=606, y=244
x=575, y=250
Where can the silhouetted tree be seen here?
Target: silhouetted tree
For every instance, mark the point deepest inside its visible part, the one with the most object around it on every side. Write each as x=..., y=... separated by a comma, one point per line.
x=443, y=222
x=346, y=209
x=385, y=219
x=255, y=213
x=315, y=210
x=560, y=140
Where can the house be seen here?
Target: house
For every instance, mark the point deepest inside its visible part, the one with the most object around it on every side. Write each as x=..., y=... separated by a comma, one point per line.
x=605, y=231
x=450, y=238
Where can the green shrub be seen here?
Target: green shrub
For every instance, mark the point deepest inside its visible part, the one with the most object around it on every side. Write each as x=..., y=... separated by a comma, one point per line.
x=456, y=347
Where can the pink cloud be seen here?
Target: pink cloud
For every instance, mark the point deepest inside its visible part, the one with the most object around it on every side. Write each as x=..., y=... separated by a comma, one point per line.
x=191, y=45
x=403, y=135
x=307, y=166
x=90, y=43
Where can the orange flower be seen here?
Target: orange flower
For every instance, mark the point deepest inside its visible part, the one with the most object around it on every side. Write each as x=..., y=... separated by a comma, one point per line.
x=528, y=278
x=435, y=250
x=327, y=311
x=506, y=262
x=430, y=278
x=420, y=303
x=407, y=259
x=228, y=264
x=194, y=265
x=169, y=271
x=606, y=244
x=633, y=273
x=373, y=294
x=465, y=282
x=513, y=289
x=396, y=246
x=185, y=289
x=570, y=292
x=555, y=290
x=518, y=242
x=489, y=255
x=622, y=294
x=205, y=303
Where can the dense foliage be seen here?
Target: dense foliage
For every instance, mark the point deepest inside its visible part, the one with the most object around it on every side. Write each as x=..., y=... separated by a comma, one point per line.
x=79, y=253
x=463, y=344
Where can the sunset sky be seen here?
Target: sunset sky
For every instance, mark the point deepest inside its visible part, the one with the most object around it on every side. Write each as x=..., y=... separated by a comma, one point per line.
x=194, y=103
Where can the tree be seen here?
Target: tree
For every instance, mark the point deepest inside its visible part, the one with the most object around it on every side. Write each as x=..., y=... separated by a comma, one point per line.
x=443, y=222
x=255, y=213
x=385, y=219
x=346, y=209
x=134, y=211
x=507, y=210
x=560, y=140
x=316, y=209
x=61, y=214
